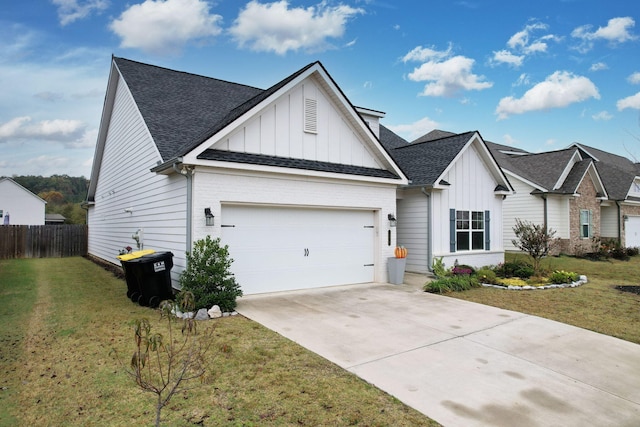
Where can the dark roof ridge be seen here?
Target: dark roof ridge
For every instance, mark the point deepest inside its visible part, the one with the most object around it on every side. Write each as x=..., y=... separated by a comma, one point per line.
x=116, y=58
x=414, y=144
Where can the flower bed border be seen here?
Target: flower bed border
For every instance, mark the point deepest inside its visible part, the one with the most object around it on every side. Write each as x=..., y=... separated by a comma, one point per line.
x=580, y=282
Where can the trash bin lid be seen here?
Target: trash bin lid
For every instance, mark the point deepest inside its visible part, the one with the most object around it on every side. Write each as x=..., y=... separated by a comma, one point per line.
x=136, y=254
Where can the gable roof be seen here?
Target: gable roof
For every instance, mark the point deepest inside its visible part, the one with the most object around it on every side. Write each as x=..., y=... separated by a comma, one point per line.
x=617, y=173
x=180, y=108
x=10, y=181
x=183, y=110
x=544, y=169
x=426, y=159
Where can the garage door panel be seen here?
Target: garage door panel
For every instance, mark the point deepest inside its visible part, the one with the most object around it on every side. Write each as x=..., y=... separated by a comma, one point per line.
x=632, y=231
x=282, y=248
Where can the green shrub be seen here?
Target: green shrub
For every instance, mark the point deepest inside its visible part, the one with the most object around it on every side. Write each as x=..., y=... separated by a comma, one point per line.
x=619, y=253
x=521, y=269
x=208, y=275
x=452, y=284
x=633, y=251
x=486, y=275
x=561, y=276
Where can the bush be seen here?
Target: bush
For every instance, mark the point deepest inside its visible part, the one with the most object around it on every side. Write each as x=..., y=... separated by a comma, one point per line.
x=521, y=269
x=487, y=275
x=452, y=284
x=633, y=251
x=438, y=268
x=464, y=270
x=208, y=275
x=561, y=276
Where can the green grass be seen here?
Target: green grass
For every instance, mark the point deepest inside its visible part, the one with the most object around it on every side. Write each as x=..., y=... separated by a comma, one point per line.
x=63, y=317
x=596, y=306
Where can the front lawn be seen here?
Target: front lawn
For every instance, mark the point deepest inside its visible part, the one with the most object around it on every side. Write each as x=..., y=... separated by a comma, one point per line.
x=597, y=305
x=62, y=317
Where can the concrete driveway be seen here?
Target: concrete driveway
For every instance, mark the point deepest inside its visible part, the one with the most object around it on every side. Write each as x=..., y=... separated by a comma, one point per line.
x=461, y=363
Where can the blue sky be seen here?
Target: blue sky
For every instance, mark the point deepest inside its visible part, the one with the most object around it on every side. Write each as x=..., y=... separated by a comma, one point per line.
x=537, y=75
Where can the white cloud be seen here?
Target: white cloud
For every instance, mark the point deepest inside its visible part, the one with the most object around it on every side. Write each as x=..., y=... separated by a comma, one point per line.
x=560, y=89
x=70, y=132
x=506, y=57
x=275, y=27
x=416, y=129
x=70, y=11
x=164, y=26
x=445, y=75
x=421, y=54
x=602, y=115
x=616, y=31
x=634, y=78
x=523, y=80
x=521, y=41
x=599, y=66
x=629, y=102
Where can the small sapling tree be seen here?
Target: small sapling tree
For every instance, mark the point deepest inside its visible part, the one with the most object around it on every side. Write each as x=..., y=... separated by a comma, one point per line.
x=534, y=239
x=208, y=275
x=163, y=364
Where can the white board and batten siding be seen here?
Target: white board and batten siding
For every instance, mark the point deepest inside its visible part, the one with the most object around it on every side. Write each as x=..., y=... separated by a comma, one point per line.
x=282, y=129
x=299, y=209
x=130, y=197
x=473, y=189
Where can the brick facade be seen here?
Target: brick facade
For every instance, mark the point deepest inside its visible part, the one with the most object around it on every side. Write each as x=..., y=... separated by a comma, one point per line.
x=576, y=245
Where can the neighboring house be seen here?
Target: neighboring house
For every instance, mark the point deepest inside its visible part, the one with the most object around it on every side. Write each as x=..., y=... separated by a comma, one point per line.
x=292, y=178
x=561, y=190
x=620, y=213
x=452, y=206
x=20, y=205
x=54, y=219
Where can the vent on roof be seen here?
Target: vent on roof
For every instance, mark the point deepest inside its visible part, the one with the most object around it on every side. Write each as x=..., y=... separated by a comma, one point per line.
x=310, y=115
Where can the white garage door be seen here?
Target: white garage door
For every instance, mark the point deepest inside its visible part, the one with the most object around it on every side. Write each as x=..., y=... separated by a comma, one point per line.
x=284, y=248
x=632, y=232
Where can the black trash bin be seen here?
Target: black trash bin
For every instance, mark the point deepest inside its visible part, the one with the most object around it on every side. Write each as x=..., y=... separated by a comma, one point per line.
x=129, y=265
x=153, y=273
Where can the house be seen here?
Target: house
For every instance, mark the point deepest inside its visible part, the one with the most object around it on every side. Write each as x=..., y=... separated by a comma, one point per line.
x=19, y=206
x=54, y=219
x=562, y=190
x=452, y=206
x=291, y=178
x=620, y=213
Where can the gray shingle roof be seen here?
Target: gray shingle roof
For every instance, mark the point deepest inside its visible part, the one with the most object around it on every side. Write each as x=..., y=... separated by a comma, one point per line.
x=574, y=178
x=179, y=107
x=264, y=160
x=543, y=169
x=423, y=162
x=616, y=172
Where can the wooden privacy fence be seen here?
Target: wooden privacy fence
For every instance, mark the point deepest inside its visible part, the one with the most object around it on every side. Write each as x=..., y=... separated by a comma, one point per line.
x=42, y=241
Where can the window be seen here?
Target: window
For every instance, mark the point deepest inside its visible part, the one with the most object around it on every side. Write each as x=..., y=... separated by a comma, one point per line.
x=470, y=230
x=585, y=223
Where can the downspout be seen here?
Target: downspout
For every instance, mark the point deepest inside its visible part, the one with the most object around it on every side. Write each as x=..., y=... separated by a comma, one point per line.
x=187, y=173
x=545, y=212
x=429, y=228
x=620, y=222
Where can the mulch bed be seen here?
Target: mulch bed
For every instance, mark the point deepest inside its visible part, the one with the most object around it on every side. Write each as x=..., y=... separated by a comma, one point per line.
x=632, y=289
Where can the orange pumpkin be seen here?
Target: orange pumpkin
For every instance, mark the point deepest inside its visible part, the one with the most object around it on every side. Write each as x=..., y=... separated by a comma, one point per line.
x=401, y=252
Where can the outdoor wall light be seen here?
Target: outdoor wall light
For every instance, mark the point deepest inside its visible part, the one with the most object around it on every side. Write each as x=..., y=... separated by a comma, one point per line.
x=392, y=220
x=208, y=216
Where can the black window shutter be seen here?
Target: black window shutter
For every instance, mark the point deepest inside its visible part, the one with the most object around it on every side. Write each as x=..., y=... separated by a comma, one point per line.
x=487, y=231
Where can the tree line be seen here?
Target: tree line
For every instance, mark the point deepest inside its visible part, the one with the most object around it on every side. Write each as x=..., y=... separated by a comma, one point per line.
x=63, y=194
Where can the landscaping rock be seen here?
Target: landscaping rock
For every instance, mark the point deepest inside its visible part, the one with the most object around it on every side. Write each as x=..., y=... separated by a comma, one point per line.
x=215, y=312
x=202, y=314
